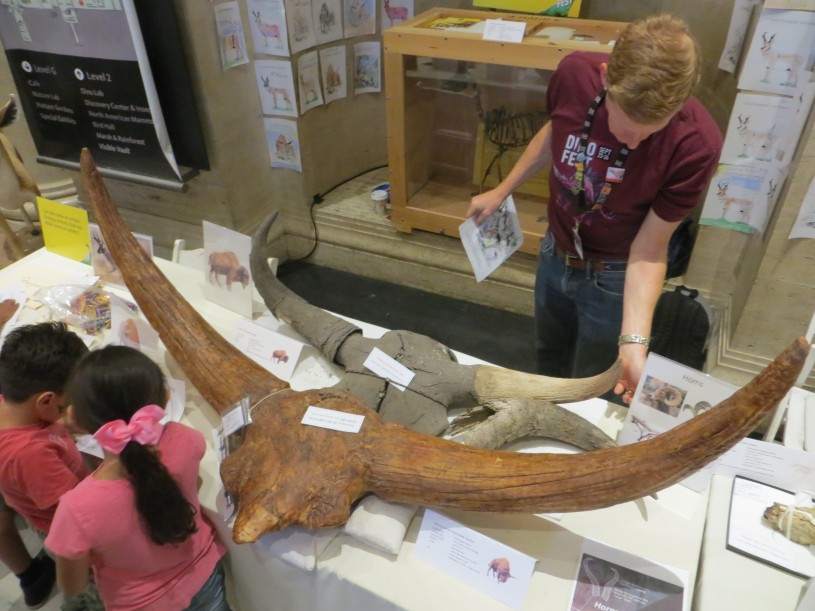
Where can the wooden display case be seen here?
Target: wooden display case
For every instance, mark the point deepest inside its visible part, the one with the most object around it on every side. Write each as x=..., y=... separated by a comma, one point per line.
x=461, y=109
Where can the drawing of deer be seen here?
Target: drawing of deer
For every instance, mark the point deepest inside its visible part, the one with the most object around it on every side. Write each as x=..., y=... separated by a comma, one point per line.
x=275, y=92
x=746, y=135
x=793, y=61
x=267, y=30
x=735, y=209
x=357, y=13
x=396, y=14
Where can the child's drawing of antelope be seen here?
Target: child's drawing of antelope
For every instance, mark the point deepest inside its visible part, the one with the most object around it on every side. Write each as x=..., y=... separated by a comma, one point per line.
x=772, y=187
x=793, y=61
x=267, y=30
x=734, y=209
x=396, y=14
x=275, y=92
x=750, y=138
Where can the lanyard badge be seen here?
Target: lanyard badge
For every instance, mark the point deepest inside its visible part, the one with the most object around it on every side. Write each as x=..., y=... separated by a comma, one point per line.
x=614, y=174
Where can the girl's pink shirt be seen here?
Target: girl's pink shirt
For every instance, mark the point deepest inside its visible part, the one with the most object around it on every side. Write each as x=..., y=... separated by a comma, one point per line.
x=99, y=517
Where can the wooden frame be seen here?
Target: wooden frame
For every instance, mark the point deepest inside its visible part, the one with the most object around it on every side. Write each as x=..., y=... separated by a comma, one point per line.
x=417, y=201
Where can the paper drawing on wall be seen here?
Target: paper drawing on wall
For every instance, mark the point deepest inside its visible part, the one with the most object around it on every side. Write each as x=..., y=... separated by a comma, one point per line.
x=755, y=129
x=367, y=77
x=742, y=198
x=308, y=81
x=301, y=28
x=359, y=17
x=782, y=68
x=395, y=12
x=283, y=143
x=334, y=69
x=276, y=87
x=327, y=20
x=779, y=52
x=231, y=40
x=268, y=26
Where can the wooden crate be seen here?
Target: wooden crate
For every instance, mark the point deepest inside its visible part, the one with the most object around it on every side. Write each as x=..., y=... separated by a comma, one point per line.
x=432, y=193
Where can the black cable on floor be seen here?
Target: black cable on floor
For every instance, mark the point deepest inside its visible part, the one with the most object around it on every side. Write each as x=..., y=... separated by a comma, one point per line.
x=319, y=198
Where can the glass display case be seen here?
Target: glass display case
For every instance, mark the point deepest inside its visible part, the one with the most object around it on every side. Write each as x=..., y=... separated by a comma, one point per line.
x=461, y=110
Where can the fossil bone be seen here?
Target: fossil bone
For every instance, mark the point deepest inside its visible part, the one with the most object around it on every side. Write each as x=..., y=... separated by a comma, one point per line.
x=803, y=522
x=440, y=383
x=286, y=473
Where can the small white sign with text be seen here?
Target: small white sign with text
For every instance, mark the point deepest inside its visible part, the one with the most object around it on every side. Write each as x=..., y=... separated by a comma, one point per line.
x=389, y=368
x=504, y=31
x=332, y=419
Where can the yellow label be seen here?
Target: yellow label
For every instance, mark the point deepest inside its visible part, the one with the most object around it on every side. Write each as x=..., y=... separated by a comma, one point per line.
x=65, y=230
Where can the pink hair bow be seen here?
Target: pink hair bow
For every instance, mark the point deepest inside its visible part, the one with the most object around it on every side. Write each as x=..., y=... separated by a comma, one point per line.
x=144, y=428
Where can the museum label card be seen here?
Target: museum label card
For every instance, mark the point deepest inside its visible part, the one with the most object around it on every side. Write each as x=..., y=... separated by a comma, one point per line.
x=332, y=419
x=491, y=567
x=504, y=31
x=389, y=368
x=490, y=244
x=65, y=230
x=608, y=578
x=749, y=533
x=274, y=352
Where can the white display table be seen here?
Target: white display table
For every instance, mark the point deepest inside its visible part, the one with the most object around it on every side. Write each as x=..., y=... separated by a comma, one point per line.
x=351, y=575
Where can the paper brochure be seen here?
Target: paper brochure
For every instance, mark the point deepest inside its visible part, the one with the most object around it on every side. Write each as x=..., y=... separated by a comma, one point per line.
x=490, y=244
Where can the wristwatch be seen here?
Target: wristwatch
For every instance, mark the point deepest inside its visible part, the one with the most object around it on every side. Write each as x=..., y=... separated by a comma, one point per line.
x=632, y=338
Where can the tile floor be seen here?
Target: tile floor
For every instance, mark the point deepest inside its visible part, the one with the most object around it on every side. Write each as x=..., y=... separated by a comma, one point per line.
x=11, y=597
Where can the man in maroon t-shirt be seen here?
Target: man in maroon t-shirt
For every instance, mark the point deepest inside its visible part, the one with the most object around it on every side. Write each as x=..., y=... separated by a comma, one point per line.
x=631, y=153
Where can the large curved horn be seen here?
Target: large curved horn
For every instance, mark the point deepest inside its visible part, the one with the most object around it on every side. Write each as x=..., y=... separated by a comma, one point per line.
x=220, y=372
x=287, y=473
x=328, y=332
x=402, y=465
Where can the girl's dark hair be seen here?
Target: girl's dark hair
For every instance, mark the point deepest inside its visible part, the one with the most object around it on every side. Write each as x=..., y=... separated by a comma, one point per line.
x=111, y=384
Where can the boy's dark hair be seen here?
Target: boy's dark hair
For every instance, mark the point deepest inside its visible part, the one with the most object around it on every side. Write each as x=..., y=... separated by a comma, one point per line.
x=113, y=383
x=38, y=358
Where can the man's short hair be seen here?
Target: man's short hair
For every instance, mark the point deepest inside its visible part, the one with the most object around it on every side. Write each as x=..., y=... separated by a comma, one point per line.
x=38, y=358
x=653, y=68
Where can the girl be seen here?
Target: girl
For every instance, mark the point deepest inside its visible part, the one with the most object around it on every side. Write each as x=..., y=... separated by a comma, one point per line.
x=137, y=519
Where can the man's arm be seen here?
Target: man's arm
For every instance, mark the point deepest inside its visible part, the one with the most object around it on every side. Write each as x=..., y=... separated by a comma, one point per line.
x=644, y=278
x=536, y=156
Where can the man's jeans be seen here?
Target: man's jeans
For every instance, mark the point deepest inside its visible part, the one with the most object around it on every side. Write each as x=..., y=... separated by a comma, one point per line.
x=578, y=315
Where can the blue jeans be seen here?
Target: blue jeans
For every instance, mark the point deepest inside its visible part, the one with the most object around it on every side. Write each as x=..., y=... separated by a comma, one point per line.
x=578, y=315
x=212, y=595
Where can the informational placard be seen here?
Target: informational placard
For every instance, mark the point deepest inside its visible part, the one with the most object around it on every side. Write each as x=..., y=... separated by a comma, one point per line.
x=608, y=578
x=65, y=230
x=487, y=565
x=81, y=70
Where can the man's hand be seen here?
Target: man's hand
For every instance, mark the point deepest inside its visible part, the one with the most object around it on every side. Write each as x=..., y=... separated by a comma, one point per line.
x=633, y=357
x=483, y=205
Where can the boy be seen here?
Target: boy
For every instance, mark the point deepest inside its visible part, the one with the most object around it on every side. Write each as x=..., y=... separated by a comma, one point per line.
x=39, y=460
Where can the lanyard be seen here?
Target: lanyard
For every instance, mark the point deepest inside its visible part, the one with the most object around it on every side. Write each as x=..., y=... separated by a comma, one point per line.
x=614, y=173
